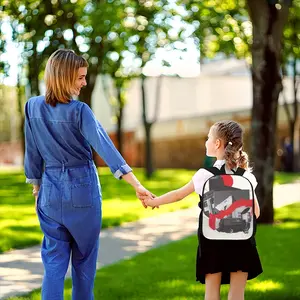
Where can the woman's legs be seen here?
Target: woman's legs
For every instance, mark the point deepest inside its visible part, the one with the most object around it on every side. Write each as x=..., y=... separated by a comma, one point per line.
x=212, y=286
x=84, y=226
x=238, y=282
x=55, y=254
x=83, y=272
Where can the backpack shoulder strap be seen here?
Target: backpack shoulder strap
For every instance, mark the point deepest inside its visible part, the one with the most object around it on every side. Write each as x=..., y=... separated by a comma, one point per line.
x=222, y=170
x=240, y=171
x=213, y=170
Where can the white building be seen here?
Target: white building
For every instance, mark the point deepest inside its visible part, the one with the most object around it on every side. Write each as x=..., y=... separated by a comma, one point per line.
x=187, y=109
x=223, y=90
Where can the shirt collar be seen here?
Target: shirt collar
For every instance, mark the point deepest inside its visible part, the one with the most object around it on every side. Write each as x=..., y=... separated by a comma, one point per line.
x=219, y=163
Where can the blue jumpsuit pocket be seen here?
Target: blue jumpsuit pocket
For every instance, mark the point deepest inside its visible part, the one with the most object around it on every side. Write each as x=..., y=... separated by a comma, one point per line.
x=81, y=195
x=44, y=200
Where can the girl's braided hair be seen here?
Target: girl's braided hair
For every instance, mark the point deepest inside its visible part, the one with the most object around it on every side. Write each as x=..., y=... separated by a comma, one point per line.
x=231, y=133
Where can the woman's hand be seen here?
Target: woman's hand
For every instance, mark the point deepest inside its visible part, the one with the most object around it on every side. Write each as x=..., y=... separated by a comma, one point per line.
x=36, y=197
x=35, y=193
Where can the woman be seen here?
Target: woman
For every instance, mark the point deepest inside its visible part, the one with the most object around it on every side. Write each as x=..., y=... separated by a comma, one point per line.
x=59, y=133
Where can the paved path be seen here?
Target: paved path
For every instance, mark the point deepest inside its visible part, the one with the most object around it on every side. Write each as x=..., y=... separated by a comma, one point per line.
x=21, y=270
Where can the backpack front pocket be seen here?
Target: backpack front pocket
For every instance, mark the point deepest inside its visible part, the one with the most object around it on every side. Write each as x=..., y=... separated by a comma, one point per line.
x=228, y=208
x=81, y=195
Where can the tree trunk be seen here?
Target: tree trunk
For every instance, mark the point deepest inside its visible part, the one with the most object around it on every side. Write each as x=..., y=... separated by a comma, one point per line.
x=293, y=129
x=120, y=120
x=22, y=119
x=268, y=23
x=86, y=92
x=292, y=156
x=33, y=74
x=148, y=151
x=147, y=127
x=292, y=153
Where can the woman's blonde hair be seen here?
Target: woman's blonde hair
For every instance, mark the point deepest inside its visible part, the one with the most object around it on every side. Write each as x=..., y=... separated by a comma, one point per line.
x=231, y=133
x=60, y=75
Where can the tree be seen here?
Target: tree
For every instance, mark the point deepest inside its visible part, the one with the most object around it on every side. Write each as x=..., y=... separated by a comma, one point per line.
x=115, y=67
x=150, y=31
x=21, y=103
x=4, y=66
x=291, y=57
x=85, y=27
x=94, y=29
x=220, y=27
x=224, y=27
x=117, y=102
x=268, y=21
x=39, y=27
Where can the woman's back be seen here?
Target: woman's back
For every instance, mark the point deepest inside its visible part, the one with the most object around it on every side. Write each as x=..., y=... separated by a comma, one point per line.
x=56, y=131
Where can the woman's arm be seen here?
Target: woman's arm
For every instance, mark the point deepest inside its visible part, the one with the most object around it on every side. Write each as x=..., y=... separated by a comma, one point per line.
x=172, y=196
x=98, y=138
x=141, y=192
x=132, y=180
x=33, y=161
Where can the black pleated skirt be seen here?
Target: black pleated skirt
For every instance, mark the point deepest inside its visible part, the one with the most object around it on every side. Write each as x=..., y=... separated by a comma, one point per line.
x=214, y=256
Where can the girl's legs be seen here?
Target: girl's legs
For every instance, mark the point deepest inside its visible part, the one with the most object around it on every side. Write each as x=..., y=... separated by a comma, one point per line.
x=212, y=286
x=238, y=282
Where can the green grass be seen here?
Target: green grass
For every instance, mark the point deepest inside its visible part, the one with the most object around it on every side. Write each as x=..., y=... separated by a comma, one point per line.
x=19, y=226
x=282, y=178
x=168, y=272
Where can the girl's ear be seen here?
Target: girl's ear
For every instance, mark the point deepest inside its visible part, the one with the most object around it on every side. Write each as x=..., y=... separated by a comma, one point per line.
x=218, y=143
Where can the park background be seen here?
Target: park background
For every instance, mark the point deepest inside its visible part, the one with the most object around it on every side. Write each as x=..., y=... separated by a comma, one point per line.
x=161, y=73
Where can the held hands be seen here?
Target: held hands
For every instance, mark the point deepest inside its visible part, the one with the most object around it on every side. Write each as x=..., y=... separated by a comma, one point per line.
x=143, y=194
x=151, y=202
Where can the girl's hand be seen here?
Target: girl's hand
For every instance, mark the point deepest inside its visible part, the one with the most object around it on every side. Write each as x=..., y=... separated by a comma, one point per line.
x=151, y=202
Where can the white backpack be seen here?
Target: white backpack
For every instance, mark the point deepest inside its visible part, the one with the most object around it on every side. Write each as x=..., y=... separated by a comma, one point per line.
x=227, y=205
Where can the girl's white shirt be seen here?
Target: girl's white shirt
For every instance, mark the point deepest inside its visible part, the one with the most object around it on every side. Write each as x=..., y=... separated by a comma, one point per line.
x=202, y=175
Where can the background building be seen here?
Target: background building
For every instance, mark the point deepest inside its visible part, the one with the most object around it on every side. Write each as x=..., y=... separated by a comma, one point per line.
x=187, y=109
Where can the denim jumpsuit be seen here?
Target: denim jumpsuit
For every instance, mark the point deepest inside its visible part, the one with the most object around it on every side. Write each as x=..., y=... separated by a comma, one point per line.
x=58, y=157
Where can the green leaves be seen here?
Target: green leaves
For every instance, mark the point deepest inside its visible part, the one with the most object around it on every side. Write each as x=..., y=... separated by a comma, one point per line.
x=221, y=26
x=291, y=45
x=108, y=33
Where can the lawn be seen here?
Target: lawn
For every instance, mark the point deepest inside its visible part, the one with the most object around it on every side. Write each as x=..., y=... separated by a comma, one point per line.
x=282, y=177
x=167, y=272
x=19, y=226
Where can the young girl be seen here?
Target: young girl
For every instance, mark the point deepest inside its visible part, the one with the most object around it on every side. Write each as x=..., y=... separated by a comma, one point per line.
x=221, y=261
